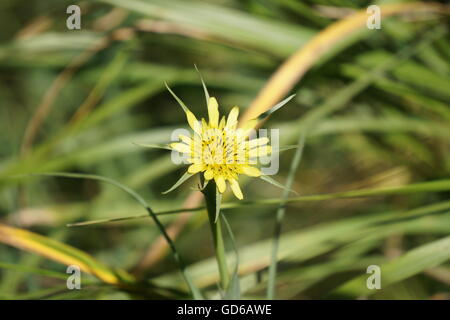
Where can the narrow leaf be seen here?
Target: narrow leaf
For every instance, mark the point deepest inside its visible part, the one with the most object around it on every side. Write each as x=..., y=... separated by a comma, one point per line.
x=180, y=102
x=285, y=148
x=409, y=264
x=233, y=291
x=59, y=252
x=276, y=183
x=153, y=145
x=38, y=271
x=275, y=107
x=204, y=85
x=183, y=178
x=194, y=290
x=218, y=203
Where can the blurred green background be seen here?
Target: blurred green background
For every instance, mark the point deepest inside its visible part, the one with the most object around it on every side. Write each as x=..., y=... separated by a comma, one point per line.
x=76, y=100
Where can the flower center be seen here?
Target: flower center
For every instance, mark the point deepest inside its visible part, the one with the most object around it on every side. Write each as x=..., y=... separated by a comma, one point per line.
x=222, y=151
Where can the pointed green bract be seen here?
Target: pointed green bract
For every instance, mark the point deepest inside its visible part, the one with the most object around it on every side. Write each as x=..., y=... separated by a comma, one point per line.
x=153, y=145
x=275, y=107
x=205, y=183
x=285, y=148
x=233, y=291
x=276, y=183
x=203, y=84
x=218, y=203
x=180, y=102
x=183, y=178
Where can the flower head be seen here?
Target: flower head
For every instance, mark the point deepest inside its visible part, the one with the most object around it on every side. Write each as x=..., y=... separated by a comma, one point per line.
x=220, y=150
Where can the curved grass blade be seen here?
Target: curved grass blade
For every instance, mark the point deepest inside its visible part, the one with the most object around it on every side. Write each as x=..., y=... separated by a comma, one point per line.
x=194, y=290
x=302, y=245
x=331, y=39
x=222, y=24
x=38, y=271
x=62, y=253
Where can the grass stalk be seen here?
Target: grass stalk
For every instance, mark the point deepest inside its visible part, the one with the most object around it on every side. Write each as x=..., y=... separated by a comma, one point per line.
x=280, y=216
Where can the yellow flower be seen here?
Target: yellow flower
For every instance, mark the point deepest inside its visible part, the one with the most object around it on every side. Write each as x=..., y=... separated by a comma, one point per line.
x=220, y=150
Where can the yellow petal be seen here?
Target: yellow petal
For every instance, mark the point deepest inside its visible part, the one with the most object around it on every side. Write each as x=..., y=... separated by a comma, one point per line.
x=236, y=189
x=208, y=174
x=193, y=122
x=222, y=123
x=258, y=142
x=251, y=171
x=194, y=168
x=180, y=147
x=260, y=151
x=185, y=139
x=196, y=146
x=232, y=117
x=213, y=112
x=220, y=182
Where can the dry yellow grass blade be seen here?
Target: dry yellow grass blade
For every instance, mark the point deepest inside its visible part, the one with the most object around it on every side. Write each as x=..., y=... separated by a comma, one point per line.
x=291, y=71
x=60, y=252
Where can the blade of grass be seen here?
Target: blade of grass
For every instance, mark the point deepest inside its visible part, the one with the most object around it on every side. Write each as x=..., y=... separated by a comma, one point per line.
x=223, y=24
x=60, y=252
x=234, y=291
x=195, y=292
x=431, y=186
x=291, y=71
x=38, y=271
x=413, y=262
x=300, y=246
x=309, y=121
x=280, y=216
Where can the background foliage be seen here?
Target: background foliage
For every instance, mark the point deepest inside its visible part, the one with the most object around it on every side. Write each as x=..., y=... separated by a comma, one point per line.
x=374, y=110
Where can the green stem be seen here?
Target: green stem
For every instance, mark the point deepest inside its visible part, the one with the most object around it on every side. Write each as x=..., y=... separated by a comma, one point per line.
x=280, y=217
x=216, y=229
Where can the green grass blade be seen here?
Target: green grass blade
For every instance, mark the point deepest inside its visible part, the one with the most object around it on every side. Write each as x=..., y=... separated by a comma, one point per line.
x=280, y=217
x=411, y=263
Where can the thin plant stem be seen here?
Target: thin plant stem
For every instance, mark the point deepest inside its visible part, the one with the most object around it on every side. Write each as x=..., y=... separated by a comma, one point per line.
x=280, y=216
x=216, y=229
x=430, y=186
